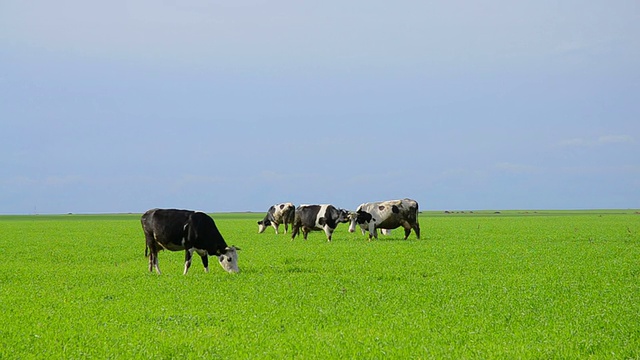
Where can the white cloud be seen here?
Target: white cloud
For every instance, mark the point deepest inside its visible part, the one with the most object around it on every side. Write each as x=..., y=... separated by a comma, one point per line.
x=610, y=139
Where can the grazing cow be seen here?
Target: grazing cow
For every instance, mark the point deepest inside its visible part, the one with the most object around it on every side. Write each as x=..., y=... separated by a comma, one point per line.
x=278, y=214
x=192, y=231
x=387, y=215
x=318, y=217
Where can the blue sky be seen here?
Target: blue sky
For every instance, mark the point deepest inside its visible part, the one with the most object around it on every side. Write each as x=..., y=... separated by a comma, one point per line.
x=122, y=106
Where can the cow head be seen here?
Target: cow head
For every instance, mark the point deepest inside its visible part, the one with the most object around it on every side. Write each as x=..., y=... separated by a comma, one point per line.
x=229, y=259
x=361, y=218
x=352, y=221
x=343, y=216
x=262, y=225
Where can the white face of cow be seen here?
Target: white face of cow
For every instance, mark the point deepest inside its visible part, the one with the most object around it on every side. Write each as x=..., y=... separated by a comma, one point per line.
x=229, y=260
x=352, y=220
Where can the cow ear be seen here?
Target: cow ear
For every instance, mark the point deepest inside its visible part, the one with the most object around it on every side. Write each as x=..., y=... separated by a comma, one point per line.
x=232, y=247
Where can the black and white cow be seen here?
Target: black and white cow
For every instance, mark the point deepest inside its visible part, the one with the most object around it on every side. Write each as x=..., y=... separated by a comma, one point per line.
x=278, y=214
x=318, y=217
x=387, y=215
x=192, y=231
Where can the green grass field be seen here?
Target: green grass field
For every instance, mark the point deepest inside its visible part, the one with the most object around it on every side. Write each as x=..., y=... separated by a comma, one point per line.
x=546, y=284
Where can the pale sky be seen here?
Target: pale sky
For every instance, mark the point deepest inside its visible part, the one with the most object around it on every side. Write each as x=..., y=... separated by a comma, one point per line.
x=122, y=106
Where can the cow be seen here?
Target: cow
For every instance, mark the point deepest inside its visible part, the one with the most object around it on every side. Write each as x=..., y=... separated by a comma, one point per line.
x=318, y=217
x=386, y=215
x=192, y=231
x=278, y=214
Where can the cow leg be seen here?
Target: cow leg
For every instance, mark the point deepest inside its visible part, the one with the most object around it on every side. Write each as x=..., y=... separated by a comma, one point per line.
x=275, y=226
x=416, y=228
x=205, y=262
x=153, y=257
x=373, y=232
x=152, y=251
x=328, y=231
x=407, y=229
x=286, y=226
x=153, y=261
x=305, y=232
x=187, y=260
x=294, y=231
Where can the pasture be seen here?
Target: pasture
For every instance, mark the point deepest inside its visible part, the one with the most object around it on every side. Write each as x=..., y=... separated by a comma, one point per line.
x=482, y=285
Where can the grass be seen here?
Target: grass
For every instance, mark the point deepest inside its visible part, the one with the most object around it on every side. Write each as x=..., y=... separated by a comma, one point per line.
x=483, y=285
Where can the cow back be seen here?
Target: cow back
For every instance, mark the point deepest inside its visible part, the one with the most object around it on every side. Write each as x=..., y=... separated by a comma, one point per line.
x=166, y=226
x=317, y=216
x=202, y=233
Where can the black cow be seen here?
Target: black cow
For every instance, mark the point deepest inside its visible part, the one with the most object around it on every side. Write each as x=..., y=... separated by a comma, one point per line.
x=318, y=217
x=192, y=231
x=278, y=214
